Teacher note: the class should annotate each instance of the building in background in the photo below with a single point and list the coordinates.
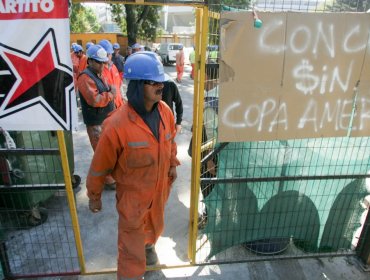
(104, 16)
(173, 20)
(178, 20)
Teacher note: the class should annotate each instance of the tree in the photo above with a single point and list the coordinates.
(83, 19)
(217, 5)
(137, 21)
(349, 5)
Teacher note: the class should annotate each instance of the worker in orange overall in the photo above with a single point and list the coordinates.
(180, 63)
(110, 72)
(97, 98)
(88, 45)
(137, 147)
(118, 59)
(76, 54)
(82, 64)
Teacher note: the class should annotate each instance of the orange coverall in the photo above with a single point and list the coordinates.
(79, 64)
(110, 72)
(180, 62)
(139, 163)
(75, 63)
(83, 64)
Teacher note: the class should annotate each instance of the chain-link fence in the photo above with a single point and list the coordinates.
(35, 222)
(277, 199)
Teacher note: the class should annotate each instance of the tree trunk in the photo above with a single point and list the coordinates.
(131, 24)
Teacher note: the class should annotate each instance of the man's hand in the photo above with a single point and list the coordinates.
(95, 205)
(172, 174)
(178, 128)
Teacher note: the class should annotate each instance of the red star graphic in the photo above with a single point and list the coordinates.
(31, 72)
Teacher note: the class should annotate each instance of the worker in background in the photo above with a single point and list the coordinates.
(110, 72)
(97, 99)
(137, 48)
(172, 98)
(192, 62)
(72, 47)
(128, 52)
(88, 45)
(137, 147)
(82, 64)
(118, 59)
(75, 57)
(213, 54)
(180, 63)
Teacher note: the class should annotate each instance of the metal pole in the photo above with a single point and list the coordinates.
(193, 196)
(200, 56)
(71, 199)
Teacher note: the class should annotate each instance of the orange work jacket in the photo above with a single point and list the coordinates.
(90, 92)
(110, 72)
(75, 63)
(137, 161)
(82, 64)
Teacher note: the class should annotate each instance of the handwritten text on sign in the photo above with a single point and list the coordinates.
(295, 77)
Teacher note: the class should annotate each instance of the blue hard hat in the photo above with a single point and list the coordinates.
(107, 46)
(88, 45)
(116, 46)
(77, 48)
(144, 66)
(98, 53)
(137, 46)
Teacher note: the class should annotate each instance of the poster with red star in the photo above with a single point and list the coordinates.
(36, 80)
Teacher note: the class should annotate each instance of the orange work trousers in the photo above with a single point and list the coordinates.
(180, 72)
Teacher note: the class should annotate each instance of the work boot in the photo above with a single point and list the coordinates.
(151, 255)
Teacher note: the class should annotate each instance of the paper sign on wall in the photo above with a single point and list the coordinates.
(300, 75)
(36, 82)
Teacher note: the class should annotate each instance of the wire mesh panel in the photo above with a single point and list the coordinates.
(277, 199)
(35, 223)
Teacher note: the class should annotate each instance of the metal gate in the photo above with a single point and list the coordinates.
(249, 201)
(272, 199)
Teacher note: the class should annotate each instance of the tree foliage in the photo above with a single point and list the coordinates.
(349, 5)
(83, 19)
(137, 21)
(218, 5)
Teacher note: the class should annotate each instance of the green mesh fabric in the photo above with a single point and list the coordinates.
(42, 169)
(318, 215)
(37, 169)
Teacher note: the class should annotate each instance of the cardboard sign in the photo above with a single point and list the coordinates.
(36, 81)
(301, 75)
